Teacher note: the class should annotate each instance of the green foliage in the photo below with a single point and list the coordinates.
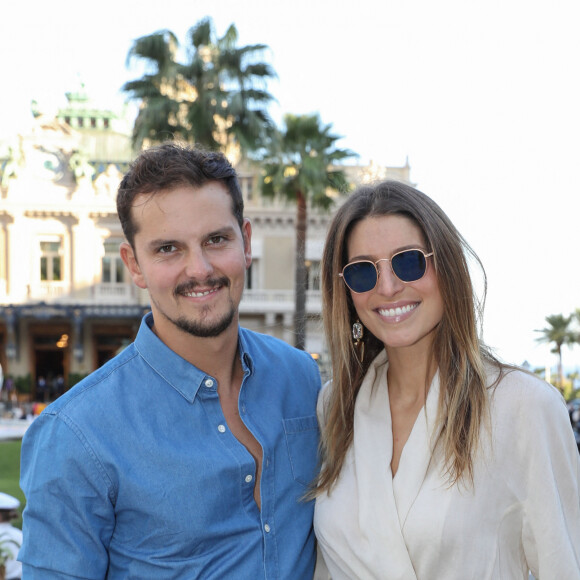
(303, 160)
(74, 378)
(560, 332)
(23, 384)
(10, 473)
(301, 164)
(215, 98)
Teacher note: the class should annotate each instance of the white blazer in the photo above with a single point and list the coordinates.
(522, 514)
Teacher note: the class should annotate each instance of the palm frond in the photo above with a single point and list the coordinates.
(158, 50)
(201, 33)
(217, 94)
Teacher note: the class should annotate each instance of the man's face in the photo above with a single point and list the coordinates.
(192, 258)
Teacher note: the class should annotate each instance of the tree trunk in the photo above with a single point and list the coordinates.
(560, 369)
(300, 280)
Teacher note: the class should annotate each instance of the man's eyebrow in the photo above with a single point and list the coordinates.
(225, 231)
(161, 242)
(221, 231)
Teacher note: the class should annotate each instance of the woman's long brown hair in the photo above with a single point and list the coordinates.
(458, 350)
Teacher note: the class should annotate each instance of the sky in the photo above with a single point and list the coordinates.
(481, 97)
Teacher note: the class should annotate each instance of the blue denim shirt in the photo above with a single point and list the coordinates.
(133, 473)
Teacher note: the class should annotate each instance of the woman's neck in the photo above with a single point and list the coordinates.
(410, 373)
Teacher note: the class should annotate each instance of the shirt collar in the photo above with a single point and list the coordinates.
(246, 356)
(180, 374)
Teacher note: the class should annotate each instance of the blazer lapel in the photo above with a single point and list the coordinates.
(373, 449)
(417, 454)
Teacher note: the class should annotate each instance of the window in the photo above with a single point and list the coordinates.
(312, 275)
(113, 269)
(246, 186)
(249, 278)
(51, 261)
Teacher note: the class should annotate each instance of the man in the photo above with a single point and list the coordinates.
(188, 454)
(10, 536)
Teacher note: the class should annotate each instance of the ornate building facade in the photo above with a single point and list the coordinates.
(67, 304)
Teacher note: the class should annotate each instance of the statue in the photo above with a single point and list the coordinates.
(80, 166)
(107, 182)
(12, 166)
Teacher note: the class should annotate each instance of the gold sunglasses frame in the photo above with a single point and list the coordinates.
(375, 264)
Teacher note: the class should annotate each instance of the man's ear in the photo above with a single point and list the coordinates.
(247, 236)
(130, 259)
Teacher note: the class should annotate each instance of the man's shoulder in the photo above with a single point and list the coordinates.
(275, 355)
(101, 384)
(259, 342)
(253, 336)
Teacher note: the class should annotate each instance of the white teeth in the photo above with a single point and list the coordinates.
(199, 294)
(397, 311)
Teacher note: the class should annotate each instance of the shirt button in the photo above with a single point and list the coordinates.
(249, 478)
(267, 528)
(209, 383)
(221, 428)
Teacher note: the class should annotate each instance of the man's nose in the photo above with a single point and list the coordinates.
(198, 265)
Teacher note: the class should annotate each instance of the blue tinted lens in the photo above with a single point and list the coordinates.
(409, 266)
(360, 276)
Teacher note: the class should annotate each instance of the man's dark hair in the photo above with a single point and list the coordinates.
(171, 165)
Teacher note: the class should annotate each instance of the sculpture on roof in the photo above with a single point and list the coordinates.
(12, 166)
(80, 166)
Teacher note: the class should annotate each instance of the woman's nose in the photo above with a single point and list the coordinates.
(387, 283)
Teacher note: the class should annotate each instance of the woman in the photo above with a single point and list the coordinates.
(439, 462)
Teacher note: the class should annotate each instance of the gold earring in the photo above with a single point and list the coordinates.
(357, 336)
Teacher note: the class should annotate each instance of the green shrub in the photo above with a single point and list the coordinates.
(23, 384)
(10, 473)
(74, 378)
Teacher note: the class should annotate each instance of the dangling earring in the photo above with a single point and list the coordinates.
(357, 336)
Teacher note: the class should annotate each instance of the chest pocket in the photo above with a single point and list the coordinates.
(302, 436)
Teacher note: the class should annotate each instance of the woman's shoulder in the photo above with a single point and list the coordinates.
(513, 387)
(323, 401)
(378, 364)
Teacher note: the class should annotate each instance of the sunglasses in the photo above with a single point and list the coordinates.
(363, 275)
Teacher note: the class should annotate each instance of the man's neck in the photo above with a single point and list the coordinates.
(216, 356)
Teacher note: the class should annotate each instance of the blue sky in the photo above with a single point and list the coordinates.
(482, 97)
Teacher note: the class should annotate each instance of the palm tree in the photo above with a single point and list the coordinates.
(217, 98)
(576, 318)
(559, 332)
(158, 117)
(300, 164)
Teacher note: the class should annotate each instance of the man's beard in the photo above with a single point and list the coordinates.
(201, 328)
(205, 330)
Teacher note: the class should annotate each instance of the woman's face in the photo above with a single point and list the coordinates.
(400, 314)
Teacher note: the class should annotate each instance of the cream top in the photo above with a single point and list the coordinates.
(522, 514)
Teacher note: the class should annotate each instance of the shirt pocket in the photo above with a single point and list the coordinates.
(302, 437)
